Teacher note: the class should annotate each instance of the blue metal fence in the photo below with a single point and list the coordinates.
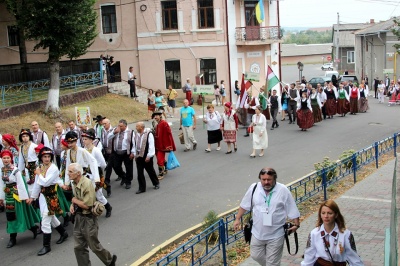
(198, 249)
(24, 92)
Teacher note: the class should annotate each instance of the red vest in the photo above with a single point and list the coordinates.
(354, 93)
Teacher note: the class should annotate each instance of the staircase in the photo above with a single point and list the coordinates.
(122, 88)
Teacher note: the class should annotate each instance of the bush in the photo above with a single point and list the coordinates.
(210, 219)
(326, 163)
(349, 163)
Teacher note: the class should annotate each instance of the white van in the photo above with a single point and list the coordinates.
(331, 73)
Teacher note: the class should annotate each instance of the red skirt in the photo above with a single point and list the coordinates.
(305, 119)
(229, 136)
(353, 105)
(267, 114)
(330, 107)
(342, 106)
(316, 113)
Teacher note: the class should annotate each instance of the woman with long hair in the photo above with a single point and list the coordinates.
(330, 243)
(230, 126)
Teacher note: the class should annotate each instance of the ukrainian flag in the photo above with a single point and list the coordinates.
(260, 11)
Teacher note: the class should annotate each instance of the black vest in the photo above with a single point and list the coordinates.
(274, 102)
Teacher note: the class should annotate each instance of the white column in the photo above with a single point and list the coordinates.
(180, 20)
(158, 21)
(194, 19)
(217, 19)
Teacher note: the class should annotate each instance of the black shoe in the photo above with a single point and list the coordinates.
(39, 230)
(118, 179)
(109, 209)
(34, 230)
(13, 240)
(46, 245)
(114, 259)
(127, 186)
(290, 122)
(246, 135)
(277, 125)
(272, 128)
(108, 194)
(157, 187)
(140, 191)
(63, 234)
(194, 146)
(122, 183)
(67, 218)
(235, 148)
(228, 152)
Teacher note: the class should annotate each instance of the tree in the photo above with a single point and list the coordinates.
(396, 31)
(62, 27)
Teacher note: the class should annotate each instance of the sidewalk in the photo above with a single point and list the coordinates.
(366, 209)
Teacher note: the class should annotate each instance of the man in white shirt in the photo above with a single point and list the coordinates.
(39, 136)
(144, 151)
(123, 139)
(272, 204)
(322, 98)
(56, 142)
(73, 127)
(107, 152)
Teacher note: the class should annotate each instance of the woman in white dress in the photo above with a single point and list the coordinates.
(260, 135)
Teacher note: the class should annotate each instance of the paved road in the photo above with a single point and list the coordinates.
(213, 181)
(367, 215)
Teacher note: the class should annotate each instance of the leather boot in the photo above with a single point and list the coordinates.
(34, 230)
(13, 240)
(165, 169)
(63, 234)
(161, 172)
(46, 245)
(66, 220)
(109, 209)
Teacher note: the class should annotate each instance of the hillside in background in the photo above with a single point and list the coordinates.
(302, 35)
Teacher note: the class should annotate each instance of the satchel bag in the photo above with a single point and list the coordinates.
(97, 208)
(181, 137)
(172, 162)
(249, 225)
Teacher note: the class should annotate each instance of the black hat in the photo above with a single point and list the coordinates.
(98, 118)
(25, 131)
(71, 136)
(159, 112)
(44, 151)
(89, 133)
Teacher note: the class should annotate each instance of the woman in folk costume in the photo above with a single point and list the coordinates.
(10, 144)
(260, 135)
(342, 101)
(330, 105)
(45, 189)
(13, 194)
(264, 103)
(88, 137)
(395, 95)
(213, 121)
(230, 127)
(363, 101)
(27, 156)
(354, 97)
(305, 118)
(316, 106)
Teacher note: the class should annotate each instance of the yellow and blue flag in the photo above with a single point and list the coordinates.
(260, 11)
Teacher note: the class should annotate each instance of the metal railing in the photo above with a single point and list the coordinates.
(255, 33)
(24, 92)
(198, 249)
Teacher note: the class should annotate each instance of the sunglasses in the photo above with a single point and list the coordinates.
(268, 172)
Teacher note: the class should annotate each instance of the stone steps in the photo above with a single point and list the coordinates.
(122, 88)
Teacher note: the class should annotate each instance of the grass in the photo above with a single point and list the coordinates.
(126, 109)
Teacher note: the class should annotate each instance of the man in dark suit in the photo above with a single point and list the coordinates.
(376, 83)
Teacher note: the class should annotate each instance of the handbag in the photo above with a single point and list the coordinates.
(181, 137)
(248, 226)
(97, 208)
(250, 129)
(172, 162)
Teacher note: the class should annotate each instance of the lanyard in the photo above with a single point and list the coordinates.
(268, 201)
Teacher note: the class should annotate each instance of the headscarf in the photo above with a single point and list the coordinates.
(229, 105)
(9, 153)
(64, 143)
(39, 147)
(10, 140)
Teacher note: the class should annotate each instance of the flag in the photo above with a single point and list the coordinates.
(260, 11)
(271, 81)
(243, 91)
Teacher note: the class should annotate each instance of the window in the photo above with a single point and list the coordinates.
(109, 19)
(173, 74)
(206, 13)
(13, 38)
(350, 57)
(208, 67)
(169, 15)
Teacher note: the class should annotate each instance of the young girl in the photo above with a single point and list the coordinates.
(27, 156)
(217, 95)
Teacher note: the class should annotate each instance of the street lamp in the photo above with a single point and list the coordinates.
(300, 66)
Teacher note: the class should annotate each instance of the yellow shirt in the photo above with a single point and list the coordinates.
(84, 191)
(171, 95)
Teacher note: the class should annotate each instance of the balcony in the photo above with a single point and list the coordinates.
(255, 35)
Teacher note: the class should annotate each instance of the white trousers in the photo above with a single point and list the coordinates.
(267, 252)
(381, 97)
(100, 197)
(188, 136)
(49, 221)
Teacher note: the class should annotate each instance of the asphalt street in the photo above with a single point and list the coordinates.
(207, 181)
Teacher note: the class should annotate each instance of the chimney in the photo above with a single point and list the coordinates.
(371, 21)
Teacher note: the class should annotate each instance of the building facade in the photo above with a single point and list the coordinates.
(169, 41)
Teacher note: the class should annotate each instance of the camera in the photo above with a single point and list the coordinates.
(286, 227)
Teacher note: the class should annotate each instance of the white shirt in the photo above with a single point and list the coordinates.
(137, 144)
(45, 138)
(259, 121)
(340, 252)
(315, 95)
(96, 153)
(322, 97)
(282, 206)
(303, 100)
(50, 178)
(32, 157)
(213, 120)
(14, 178)
(85, 159)
(124, 141)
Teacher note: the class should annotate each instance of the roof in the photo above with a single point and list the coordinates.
(306, 49)
(378, 27)
(346, 33)
(351, 26)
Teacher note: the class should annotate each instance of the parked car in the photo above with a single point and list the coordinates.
(327, 66)
(331, 73)
(348, 78)
(320, 80)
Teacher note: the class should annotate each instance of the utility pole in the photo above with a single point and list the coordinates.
(337, 43)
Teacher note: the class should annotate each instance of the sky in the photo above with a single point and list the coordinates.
(320, 13)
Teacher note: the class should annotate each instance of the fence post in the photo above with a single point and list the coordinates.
(354, 159)
(222, 237)
(395, 144)
(30, 92)
(324, 182)
(376, 154)
(3, 95)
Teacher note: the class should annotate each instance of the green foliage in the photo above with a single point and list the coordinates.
(396, 31)
(308, 37)
(347, 154)
(63, 27)
(210, 219)
(326, 163)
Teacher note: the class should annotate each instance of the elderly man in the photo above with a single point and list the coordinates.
(58, 135)
(107, 152)
(39, 136)
(73, 127)
(187, 89)
(188, 124)
(85, 226)
(144, 153)
(268, 199)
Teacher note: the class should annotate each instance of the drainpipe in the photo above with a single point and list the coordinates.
(229, 52)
